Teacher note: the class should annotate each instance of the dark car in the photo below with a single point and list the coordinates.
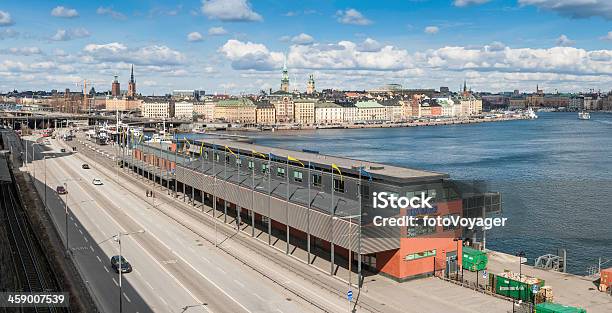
(125, 265)
(85, 166)
(61, 190)
(63, 150)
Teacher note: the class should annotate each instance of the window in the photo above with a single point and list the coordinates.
(316, 180)
(280, 171)
(264, 168)
(450, 227)
(338, 185)
(250, 165)
(420, 229)
(420, 255)
(297, 176)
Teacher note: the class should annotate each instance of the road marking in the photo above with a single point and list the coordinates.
(75, 224)
(239, 283)
(99, 260)
(220, 269)
(126, 298)
(72, 219)
(90, 246)
(258, 297)
(87, 241)
(148, 284)
(115, 282)
(205, 259)
(80, 231)
(106, 268)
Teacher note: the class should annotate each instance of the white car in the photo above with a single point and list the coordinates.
(97, 181)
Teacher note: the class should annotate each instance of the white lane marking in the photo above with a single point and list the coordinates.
(148, 284)
(220, 269)
(90, 247)
(205, 259)
(258, 297)
(115, 282)
(126, 297)
(75, 224)
(72, 219)
(80, 231)
(239, 283)
(87, 241)
(99, 260)
(106, 268)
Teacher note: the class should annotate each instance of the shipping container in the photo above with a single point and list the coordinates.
(606, 277)
(510, 285)
(474, 260)
(549, 307)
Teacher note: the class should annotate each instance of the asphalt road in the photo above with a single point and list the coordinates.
(174, 270)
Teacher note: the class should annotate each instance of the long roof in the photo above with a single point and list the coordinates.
(389, 172)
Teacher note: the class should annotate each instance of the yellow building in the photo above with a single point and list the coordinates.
(205, 110)
(237, 110)
(265, 114)
(368, 111)
(304, 111)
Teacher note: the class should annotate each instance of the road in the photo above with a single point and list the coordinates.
(174, 270)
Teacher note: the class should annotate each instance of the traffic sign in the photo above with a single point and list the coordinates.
(349, 295)
(484, 274)
(535, 288)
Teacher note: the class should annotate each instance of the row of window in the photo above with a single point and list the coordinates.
(420, 255)
(298, 176)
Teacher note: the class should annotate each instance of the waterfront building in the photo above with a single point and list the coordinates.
(430, 108)
(591, 102)
(315, 206)
(236, 110)
(205, 110)
(310, 86)
(304, 111)
(328, 113)
(394, 110)
(284, 105)
(265, 113)
(132, 85)
(371, 111)
(113, 104)
(517, 102)
(154, 108)
(351, 114)
(576, 103)
(449, 109)
(183, 110)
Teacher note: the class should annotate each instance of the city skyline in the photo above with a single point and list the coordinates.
(240, 46)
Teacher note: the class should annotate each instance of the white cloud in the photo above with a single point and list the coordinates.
(369, 45)
(194, 36)
(464, 3)
(5, 19)
(217, 31)
(110, 12)
(118, 52)
(302, 39)
(432, 30)
(22, 51)
(230, 10)
(8, 33)
(607, 37)
(574, 8)
(564, 41)
(64, 35)
(248, 55)
(61, 11)
(352, 16)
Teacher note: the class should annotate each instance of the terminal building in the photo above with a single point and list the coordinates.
(315, 207)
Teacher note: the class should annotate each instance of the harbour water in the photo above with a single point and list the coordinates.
(554, 173)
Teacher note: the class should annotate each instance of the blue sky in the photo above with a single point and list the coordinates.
(239, 46)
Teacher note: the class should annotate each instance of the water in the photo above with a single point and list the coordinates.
(554, 174)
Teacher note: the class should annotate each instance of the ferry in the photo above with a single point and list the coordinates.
(530, 114)
(584, 115)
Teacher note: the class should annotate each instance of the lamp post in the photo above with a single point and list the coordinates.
(350, 252)
(66, 216)
(457, 258)
(117, 238)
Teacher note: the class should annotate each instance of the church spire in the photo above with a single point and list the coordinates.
(132, 74)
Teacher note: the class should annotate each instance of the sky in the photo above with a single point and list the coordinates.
(240, 46)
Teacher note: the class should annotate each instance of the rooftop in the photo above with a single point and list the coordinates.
(368, 104)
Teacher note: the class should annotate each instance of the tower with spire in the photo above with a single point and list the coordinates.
(132, 85)
(285, 78)
(115, 88)
(310, 86)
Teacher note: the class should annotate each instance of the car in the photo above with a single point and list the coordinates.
(126, 267)
(63, 150)
(97, 181)
(85, 166)
(61, 190)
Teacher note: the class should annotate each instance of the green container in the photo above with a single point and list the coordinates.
(515, 289)
(549, 307)
(474, 260)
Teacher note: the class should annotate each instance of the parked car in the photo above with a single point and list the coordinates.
(97, 181)
(126, 267)
(85, 166)
(63, 150)
(61, 190)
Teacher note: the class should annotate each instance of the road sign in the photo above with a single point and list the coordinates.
(484, 274)
(535, 288)
(349, 295)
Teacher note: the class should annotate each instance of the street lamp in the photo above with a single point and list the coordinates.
(521, 255)
(66, 215)
(117, 238)
(457, 259)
